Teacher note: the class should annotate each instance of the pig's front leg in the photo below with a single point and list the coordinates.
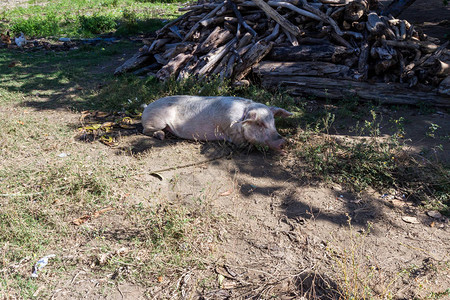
(155, 129)
(159, 134)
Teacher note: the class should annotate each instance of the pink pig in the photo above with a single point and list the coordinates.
(232, 119)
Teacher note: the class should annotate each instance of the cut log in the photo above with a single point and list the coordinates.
(212, 21)
(393, 93)
(322, 15)
(145, 70)
(188, 67)
(216, 57)
(441, 68)
(444, 87)
(198, 24)
(228, 71)
(173, 66)
(240, 19)
(425, 46)
(252, 57)
(157, 44)
(138, 60)
(180, 47)
(363, 66)
(274, 34)
(222, 64)
(273, 14)
(327, 53)
(355, 10)
(217, 37)
(292, 7)
(306, 68)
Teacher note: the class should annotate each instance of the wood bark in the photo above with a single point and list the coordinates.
(137, 61)
(217, 37)
(273, 14)
(252, 57)
(444, 87)
(306, 68)
(363, 66)
(197, 25)
(173, 66)
(216, 57)
(240, 19)
(394, 93)
(326, 52)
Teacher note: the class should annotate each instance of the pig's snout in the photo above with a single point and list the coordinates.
(277, 143)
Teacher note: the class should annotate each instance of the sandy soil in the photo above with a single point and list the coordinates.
(282, 236)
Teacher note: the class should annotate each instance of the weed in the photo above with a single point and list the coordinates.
(369, 160)
(47, 25)
(352, 267)
(432, 130)
(439, 295)
(97, 23)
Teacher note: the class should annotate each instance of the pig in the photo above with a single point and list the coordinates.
(236, 120)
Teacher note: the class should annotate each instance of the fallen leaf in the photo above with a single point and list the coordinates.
(101, 211)
(96, 214)
(229, 285)
(101, 114)
(220, 279)
(434, 214)
(157, 175)
(412, 220)
(92, 127)
(108, 140)
(127, 120)
(122, 251)
(125, 126)
(81, 220)
(226, 193)
(108, 124)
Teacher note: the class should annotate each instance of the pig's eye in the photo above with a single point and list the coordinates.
(261, 124)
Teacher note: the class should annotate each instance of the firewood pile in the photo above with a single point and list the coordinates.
(343, 39)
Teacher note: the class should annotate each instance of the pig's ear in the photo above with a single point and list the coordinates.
(279, 112)
(250, 117)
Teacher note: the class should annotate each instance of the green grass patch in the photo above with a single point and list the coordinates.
(82, 18)
(54, 76)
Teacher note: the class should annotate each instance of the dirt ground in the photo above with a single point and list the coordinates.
(278, 235)
(273, 235)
